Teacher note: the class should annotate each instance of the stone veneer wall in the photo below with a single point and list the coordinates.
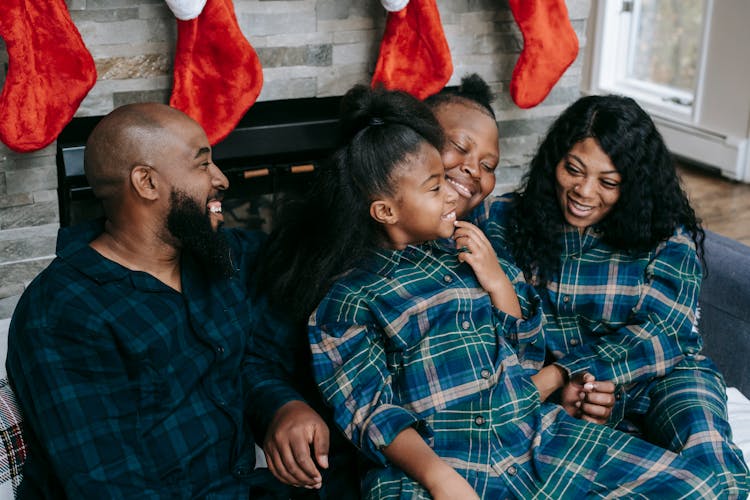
(307, 48)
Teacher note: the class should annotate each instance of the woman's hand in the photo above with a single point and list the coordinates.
(588, 399)
(475, 249)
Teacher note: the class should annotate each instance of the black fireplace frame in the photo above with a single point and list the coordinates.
(275, 147)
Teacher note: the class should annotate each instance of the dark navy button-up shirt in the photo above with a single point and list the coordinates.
(132, 389)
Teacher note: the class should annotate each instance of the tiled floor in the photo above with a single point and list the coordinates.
(723, 205)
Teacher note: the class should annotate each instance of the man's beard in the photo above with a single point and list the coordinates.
(191, 225)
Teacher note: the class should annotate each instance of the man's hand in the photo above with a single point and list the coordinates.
(588, 399)
(295, 434)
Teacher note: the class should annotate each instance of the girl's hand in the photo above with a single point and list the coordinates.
(476, 250)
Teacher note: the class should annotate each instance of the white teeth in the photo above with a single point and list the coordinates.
(450, 216)
(215, 210)
(583, 208)
(460, 188)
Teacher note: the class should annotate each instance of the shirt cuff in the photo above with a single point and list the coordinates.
(384, 425)
(574, 366)
(263, 409)
(526, 334)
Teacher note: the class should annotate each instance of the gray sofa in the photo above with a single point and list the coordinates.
(725, 309)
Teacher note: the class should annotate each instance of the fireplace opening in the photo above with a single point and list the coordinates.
(273, 152)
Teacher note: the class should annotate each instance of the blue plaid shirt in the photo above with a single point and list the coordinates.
(625, 317)
(409, 334)
(131, 389)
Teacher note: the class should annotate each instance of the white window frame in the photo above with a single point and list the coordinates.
(713, 129)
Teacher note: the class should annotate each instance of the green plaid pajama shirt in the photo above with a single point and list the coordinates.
(131, 389)
(410, 338)
(629, 318)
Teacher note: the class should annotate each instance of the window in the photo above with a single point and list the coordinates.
(686, 62)
(664, 46)
(657, 47)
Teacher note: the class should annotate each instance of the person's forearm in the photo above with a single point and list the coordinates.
(504, 297)
(411, 454)
(548, 380)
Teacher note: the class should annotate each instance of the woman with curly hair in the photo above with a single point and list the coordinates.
(602, 228)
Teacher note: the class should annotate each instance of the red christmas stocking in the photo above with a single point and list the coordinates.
(550, 45)
(50, 71)
(217, 74)
(414, 54)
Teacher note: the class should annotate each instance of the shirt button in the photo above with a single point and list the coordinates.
(465, 325)
(447, 278)
(479, 420)
(220, 349)
(618, 396)
(566, 298)
(512, 471)
(485, 373)
(574, 341)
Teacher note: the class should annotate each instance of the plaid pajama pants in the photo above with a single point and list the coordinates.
(569, 458)
(686, 412)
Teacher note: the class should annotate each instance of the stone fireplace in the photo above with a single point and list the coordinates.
(308, 49)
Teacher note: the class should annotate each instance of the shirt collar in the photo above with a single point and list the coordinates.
(589, 238)
(384, 261)
(73, 247)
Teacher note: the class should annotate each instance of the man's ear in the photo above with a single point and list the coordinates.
(144, 181)
(383, 212)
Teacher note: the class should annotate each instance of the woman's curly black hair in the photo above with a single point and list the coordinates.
(317, 238)
(652, 203)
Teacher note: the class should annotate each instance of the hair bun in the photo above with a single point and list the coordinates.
(473, 87)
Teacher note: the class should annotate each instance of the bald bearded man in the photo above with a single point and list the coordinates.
(132, 353)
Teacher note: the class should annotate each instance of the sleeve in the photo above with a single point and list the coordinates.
(277, 347)
(272, 365)
(526, 334)
(76, 396)
(350, 365)
(659, 332)
(491, 216)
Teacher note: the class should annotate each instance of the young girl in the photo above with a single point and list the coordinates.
(410, 348)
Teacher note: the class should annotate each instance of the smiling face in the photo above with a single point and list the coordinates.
(471, 152)
(187, 166)
(587, 184)
(423, 206)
